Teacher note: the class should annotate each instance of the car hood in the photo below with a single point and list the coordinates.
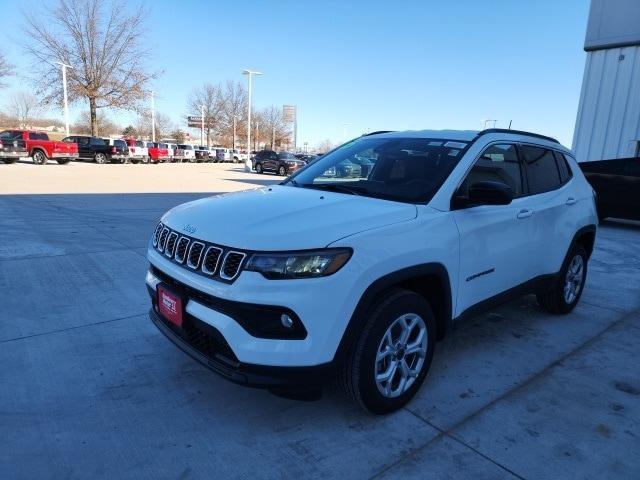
(283, 217)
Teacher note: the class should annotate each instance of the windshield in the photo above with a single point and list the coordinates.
(402, 169)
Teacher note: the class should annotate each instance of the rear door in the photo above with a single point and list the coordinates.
(84, 148)
(495, 240)
(555, 203)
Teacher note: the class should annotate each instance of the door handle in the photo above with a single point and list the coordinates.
(525, 213)
(571, 201)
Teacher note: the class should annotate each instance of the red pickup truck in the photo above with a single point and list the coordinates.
(158, 152)
(40, 148)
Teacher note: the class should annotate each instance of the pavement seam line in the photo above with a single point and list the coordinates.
(70, 328)
(525, 383)
(38, 257)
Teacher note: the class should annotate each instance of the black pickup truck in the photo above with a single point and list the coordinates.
(12, 149)
(617, 186)
(99, 150)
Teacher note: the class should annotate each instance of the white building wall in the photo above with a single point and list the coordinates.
(608, 121)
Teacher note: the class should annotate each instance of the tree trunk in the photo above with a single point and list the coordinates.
(93, 113)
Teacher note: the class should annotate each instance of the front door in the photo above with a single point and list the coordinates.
(496, 241)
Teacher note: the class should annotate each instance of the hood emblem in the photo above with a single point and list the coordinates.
(189, 228)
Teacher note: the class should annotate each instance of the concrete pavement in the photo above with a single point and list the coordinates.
(90, 389)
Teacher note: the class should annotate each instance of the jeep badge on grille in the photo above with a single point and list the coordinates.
(189, 228)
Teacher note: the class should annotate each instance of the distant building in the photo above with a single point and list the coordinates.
(608, 121)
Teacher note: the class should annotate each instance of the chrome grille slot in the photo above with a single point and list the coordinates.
(195, 252)
(171, 244)
(181, 249)
(163, 239)
(156, 234)
(231, 265)
(211, 259)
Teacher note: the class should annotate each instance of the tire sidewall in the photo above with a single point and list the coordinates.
(100, 158)
(282, 171)
(383, 317)
(576, 250)
(258, 168)
(39, 158)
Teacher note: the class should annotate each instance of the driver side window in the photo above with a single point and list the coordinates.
(498, 163)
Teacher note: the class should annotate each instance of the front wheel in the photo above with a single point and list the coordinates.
(282, 171)
(100, 158)
(259, 168)
(565, 292)
(39, 158)
(145, 159)
(389, 361)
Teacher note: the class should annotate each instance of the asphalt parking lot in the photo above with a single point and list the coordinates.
(90, 388)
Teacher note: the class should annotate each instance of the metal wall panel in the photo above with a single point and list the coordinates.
(613, 23)
(608, 121)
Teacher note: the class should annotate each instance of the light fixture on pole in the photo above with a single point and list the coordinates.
(487, 120)
(249, 73)
(153, 118)
(64, 94)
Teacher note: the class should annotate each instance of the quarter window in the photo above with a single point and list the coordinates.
(498, 163)
(542, 171)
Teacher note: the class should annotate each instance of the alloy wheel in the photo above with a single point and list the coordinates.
(401, 355)
(573, 279)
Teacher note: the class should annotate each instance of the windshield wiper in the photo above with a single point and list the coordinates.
(336, 187)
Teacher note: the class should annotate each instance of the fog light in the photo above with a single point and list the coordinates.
(286, 320)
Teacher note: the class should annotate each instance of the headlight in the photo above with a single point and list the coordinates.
(308, 264)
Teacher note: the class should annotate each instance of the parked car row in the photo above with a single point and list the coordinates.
(37, 145)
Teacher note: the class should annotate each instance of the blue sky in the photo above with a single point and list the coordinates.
(373, 65)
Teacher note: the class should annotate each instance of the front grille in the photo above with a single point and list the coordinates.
(181, 249)
(195, 252)
(171, 244)
(213, 261)
(231, 265)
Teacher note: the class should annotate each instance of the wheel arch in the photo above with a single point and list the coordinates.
(585, 236)
(430, 280)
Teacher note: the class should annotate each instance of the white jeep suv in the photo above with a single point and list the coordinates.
(357, 277)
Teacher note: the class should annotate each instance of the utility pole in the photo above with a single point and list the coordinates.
(257, 139)
(249, 73)
(202, 125)
(64, 94)
(153, 118)
(273, 137)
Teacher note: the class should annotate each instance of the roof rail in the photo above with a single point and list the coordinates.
(377, 132)
(516, 132)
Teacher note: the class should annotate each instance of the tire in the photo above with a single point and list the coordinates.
(100, 158)
(135, 161)
(564, 293)
(259, 168)
(9, 161)
(358, 374)
(282, 171)
(145, 159)
(63, 161)
(39, 158)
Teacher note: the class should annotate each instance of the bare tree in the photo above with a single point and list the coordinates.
(6, 69)
(24, 107)
(234, 101)
(84, 124)
(324, 146)
(101, 41)
(164, 124)
(210, 97)
(273, 127)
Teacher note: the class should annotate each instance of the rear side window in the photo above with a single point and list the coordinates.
(98, 141)
(542, 170)
(563, 167)
(38, 136)
(119, 143)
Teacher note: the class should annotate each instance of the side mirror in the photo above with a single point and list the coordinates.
(486, 193)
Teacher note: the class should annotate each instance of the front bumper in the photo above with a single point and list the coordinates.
(206, 345)
(13, 153)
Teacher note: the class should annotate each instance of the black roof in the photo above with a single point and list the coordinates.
(516, 132)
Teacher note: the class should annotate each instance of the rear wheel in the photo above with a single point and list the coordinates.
(282, 171)
(259, 168)
(39, 158)
(9, 160)
(389, 361)
(100, 158)
(145, 159)
(565, 292)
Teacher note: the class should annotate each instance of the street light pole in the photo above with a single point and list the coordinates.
(64, 94)
(234, 133)
(202, 125)
(249, 73)
(153, 118)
